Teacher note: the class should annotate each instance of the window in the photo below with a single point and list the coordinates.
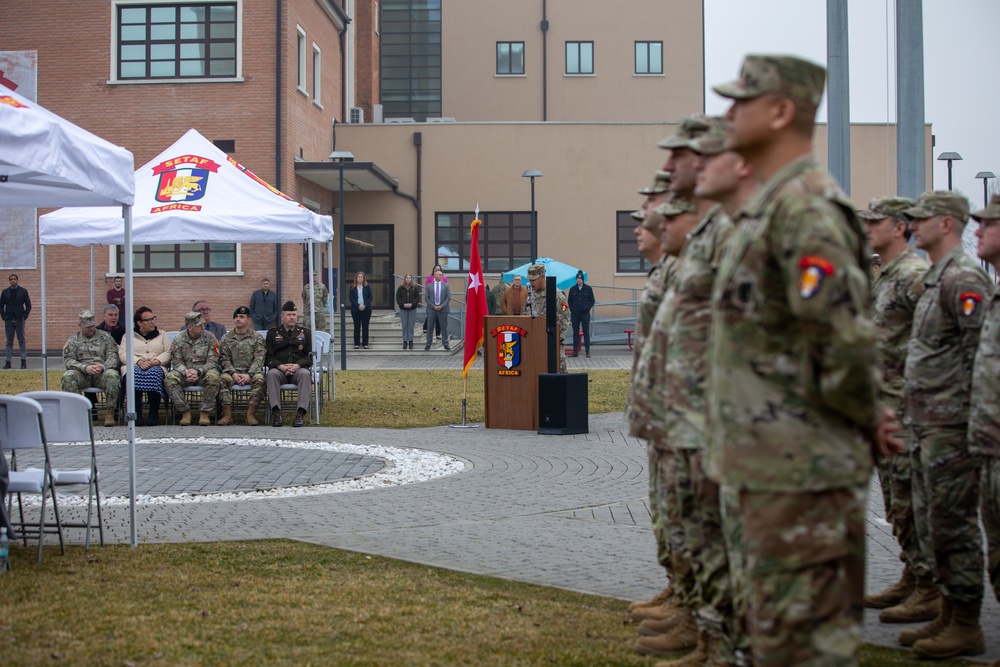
(300, 67)
(510, 57)
(504, 238)
(180, 257)
(579, 57)
(629, 259)
(317, 70)
(177, 41)
(649, 57)
(410, 58)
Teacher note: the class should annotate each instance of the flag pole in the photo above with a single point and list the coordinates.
(475, 310)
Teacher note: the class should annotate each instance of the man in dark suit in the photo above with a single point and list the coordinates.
(437, 295)
(15, 305)
(288, 357)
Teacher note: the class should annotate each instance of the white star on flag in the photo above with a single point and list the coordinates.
(474, 283)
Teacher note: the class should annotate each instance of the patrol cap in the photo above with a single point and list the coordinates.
(193, 319)
(242, 310)
(886, 207)
(940, 202)
(639, 215)
(676, 206)
(288, 306)
(689, 128)
(87, 319)
(788, 76)
(991, 212)
(536, 270)
(712, 141)
(659, 186)
(651, 222)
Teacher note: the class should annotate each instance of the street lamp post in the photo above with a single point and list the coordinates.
(986, 175)
(532, 173)
(949, 157)
(341, 157)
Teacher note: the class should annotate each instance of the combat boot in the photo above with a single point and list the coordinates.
(252, 415)
(963, 636)
(109, 417)
(697, 657)
(913, 635)
(683, 637)
(651, 626)
(203, 419)
(186, 418)
(895, 594)
(923, 604)
(227, 416)
(654, 601)
(658, 612)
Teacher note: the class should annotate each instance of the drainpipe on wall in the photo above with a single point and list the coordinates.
(343, 72)
(278, 46)
(545, 61)
(418, 141)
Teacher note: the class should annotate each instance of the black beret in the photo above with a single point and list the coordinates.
(289, 305)
(242, 310)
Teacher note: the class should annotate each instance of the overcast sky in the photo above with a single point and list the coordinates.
(961, 66)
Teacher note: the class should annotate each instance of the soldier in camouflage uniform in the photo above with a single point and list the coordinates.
(318, 303)
(895, 290)
(536, 308)
(793, 413)
(91, 359)
(194, 357)
(241, 355)
(938, 379)
(984, 421)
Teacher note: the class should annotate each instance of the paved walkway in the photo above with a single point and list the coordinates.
(563, 511)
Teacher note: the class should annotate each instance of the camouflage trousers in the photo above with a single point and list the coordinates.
(256, 388)
(946, 509)
(895, 474)
(674, 506)
(800, 562)
(110, 381)
(659, 529)
(991, 517)
(175, 383)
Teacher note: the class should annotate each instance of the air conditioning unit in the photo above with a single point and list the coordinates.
(399, 121)
(357, 116)
(442, 119)
(377, 114)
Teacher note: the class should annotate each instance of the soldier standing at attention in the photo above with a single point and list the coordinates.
(938, 383)
(91, 359)
(793, 409)
(537, 308)
(241, 355)
(194, 357)
(984, 422)
(317, 303)
(895, 290)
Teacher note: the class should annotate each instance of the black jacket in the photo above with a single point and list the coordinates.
(14, 304)
(581, 298)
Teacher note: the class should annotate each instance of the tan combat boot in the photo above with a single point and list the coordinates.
(696, 658)
(683, 637)
(186, 418)
(654, 601)
(227, 416)
(652, 627)
(963, 636)
(252, 414)
(203, 419)
(658, 612)
(109, 417)
(895, 594)
(923, 604)
(913, 635)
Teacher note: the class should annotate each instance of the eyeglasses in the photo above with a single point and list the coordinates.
(204, 310)
(148, 319)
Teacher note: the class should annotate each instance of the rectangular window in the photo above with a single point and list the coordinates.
(504, 240)
(649, 57)
(510, 57)
(579, 57)
(629, 259)
(180, 257)
(317, 70)
(300, 61)
(176, 41)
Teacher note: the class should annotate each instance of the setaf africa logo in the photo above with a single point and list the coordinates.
(508, 348)
(970, 303)
(182, 180)
(814, 272)
(11, 102)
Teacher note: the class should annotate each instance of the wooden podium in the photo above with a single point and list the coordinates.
(514, 352)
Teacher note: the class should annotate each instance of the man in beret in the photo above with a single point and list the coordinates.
(936, 401)
(91, 359)
(984, 422)
(581, 301)
(793, 412)
(288, 356)
(537, 308)
(241, 356)
(895, 290)
(194, 359)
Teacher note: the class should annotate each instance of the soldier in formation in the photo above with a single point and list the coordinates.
(91, 359)
(537, 308)
(316, 302)
(194, 357)
(241, 356)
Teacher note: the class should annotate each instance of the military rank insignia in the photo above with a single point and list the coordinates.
(508, 348)
(970, 303)
(814, 272)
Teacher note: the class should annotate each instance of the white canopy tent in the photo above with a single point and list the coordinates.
(192, 192)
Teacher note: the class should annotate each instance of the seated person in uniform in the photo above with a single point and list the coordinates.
(194, 356)
(91, 359)
(288, 357)
(241, 355)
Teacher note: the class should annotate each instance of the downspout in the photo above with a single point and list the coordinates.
(418, 141)
(545, 61)
(343, 72)
(278, 46)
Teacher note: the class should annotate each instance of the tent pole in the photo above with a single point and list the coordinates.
(130, 376)
(92, 304)
(312, 322)
(45, 354)
(332, 308)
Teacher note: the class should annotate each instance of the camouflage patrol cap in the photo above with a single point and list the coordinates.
(991, 212)
(940, 202)
(242, 310)
(536, 270)
(690, 127)
(87, 319)
(193, 319)
(659, 186)
(639, 215)
(886, 207)
(788, 76)
(713, 141)
(676, 206)
(651, 222)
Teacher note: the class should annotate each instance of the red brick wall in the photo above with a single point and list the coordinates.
(366, 57)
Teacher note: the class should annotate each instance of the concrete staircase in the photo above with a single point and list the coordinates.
(385, 336)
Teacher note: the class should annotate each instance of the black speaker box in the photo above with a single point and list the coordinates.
(562, 403)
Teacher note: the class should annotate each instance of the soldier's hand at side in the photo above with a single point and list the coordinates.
(885, 441)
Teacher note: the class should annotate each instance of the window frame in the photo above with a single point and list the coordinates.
(116, 43)
(510, 59)
(300, 60)
(578, 44)
(647, 44)
(496, 232)
(625, 225)
(117, 257)
(317, 73)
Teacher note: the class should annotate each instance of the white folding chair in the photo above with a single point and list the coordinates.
(21, 427)
(66, 417)
(321, 345)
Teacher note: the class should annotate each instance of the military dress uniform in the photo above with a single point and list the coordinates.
(80, 352)
(284, 346)
(242, 353)
(201, 354)
(537, 308)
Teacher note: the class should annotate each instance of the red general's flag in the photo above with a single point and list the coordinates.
(475, 301)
